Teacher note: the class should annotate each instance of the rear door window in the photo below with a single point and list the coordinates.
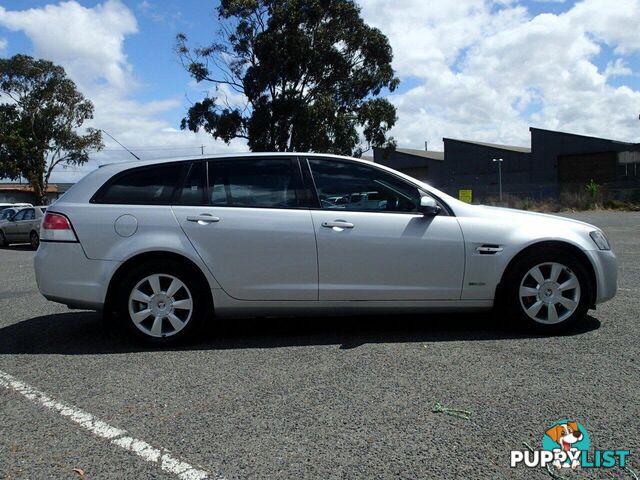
(19, 216)
(262, 183)
(29, 214)
(142, 186)
(193, 189)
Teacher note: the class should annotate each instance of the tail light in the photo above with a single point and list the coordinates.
(57, 228)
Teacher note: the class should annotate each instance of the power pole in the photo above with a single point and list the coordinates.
(201, 149)
(499, 160)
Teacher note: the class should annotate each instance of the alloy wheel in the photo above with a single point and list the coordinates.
(160, 305)
(549, 293)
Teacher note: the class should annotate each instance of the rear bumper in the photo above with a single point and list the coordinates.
(606, 268)
(65, 275)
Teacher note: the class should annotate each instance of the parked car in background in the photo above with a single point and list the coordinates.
(4, 206)
(22, 227)
(8, 212)
(165, 244)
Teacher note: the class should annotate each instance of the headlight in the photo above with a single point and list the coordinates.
(600, 240)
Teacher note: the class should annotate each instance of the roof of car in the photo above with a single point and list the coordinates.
(224, 156)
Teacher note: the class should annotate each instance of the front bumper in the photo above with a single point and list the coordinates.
(65, 275)
(605, 266)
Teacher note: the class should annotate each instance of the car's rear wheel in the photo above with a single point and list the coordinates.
(548, 290)
(162, 302)
(34, 240)
(3, 240)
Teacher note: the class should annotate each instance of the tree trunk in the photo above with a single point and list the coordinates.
(39, 191)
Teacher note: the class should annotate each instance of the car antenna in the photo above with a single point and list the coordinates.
(114, 139)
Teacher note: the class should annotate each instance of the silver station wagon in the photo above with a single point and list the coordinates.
(169, 244)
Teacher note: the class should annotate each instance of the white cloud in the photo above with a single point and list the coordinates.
(617, 68)
(87, 41)
(3, 44)
(487, 73)
(89, 44)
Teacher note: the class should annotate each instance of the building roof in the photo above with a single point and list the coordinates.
(556, 132)
(431, 154)
(24, 187)
(497, 146)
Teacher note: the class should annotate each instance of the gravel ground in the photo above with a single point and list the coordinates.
(318, 398)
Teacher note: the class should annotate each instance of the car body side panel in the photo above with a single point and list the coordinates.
(389, 256)
(229, 307)
(64, 274)
(510, 232)
(256, 253)
(156, 231)
(9, 230)
(606, 268)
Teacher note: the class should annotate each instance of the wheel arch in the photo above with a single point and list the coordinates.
(157, 256)
(569, 248)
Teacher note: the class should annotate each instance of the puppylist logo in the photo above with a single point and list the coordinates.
(566, 444)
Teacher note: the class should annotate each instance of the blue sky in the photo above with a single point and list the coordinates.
(477, 69)
(150, 50)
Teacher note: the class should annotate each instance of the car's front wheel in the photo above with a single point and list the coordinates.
(3, 240)
(162, 302)
(548, 290)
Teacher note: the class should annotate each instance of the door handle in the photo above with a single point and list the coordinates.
(203, 219)
(338, 224)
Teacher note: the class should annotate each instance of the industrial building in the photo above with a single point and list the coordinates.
(555, 162)
(13, 192)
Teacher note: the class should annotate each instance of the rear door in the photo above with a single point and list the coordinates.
(20, 227)
(248, 222)
(27, 224)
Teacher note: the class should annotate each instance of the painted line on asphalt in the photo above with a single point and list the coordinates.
(116, 436)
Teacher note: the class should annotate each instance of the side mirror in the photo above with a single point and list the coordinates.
(428, 206)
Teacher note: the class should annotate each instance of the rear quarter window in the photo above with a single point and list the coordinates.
(153, 185)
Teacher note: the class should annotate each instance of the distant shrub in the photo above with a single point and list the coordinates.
(593, 190)
(592, 196)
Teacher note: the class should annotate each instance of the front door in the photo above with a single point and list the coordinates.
(13, 228)
(246, 224)
(372, 243)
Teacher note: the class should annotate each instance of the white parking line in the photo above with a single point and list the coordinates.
(116, 436)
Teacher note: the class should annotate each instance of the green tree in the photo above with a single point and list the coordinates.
(310, 71)
(39, 122)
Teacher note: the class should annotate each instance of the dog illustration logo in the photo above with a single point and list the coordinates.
(566, 444)
(569, 437)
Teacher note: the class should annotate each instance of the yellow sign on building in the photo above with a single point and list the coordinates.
(465, 195)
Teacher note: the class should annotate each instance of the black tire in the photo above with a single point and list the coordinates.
(514, 306)
(195, 287)
(3, 240)
(34, 240)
